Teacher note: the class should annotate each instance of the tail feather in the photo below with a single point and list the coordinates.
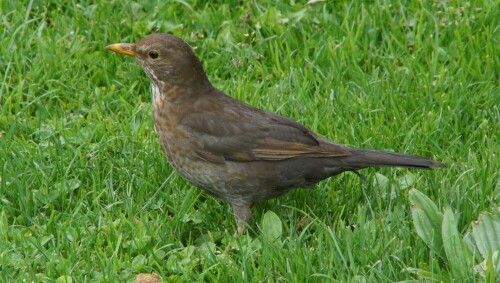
(361, 158)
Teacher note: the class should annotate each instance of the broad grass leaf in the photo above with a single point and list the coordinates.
(271, 226)
(427, 221)
(64, 279)
(484, 236)
(483, 240)
(424, 274)
(457, 252)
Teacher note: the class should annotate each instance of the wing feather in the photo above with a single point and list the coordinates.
(243, 133)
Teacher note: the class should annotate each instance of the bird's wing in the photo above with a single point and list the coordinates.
(243, 133)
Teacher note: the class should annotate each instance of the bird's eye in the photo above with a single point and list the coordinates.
(153, 54)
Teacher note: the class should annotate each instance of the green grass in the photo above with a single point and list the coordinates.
(86, 193)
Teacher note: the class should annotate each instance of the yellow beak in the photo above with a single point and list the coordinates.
(122, 48)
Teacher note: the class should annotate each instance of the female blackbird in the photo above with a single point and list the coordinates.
(231, 149)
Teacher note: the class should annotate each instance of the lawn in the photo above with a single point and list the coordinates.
(86, 194)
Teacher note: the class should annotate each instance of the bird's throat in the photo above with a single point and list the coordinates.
(155, 90)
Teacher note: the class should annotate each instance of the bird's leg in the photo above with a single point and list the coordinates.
(242, 213)
(361, 176)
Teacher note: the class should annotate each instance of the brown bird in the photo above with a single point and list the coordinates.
(231, 149)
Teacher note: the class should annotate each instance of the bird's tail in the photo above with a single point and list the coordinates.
(361, 158)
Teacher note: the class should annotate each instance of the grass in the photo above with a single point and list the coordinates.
(86, 194)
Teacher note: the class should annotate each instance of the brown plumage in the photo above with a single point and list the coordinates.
(231, 149)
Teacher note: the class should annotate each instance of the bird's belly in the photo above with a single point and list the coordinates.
(218, 179)
(236, 182)
(205, 175)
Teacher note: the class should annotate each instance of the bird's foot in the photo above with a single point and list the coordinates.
(243, 214)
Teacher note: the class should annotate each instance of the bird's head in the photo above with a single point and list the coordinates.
(165, 58)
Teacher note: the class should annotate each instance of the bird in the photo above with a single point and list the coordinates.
(230, 149)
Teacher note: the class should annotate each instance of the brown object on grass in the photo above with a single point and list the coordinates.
(231, 149)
